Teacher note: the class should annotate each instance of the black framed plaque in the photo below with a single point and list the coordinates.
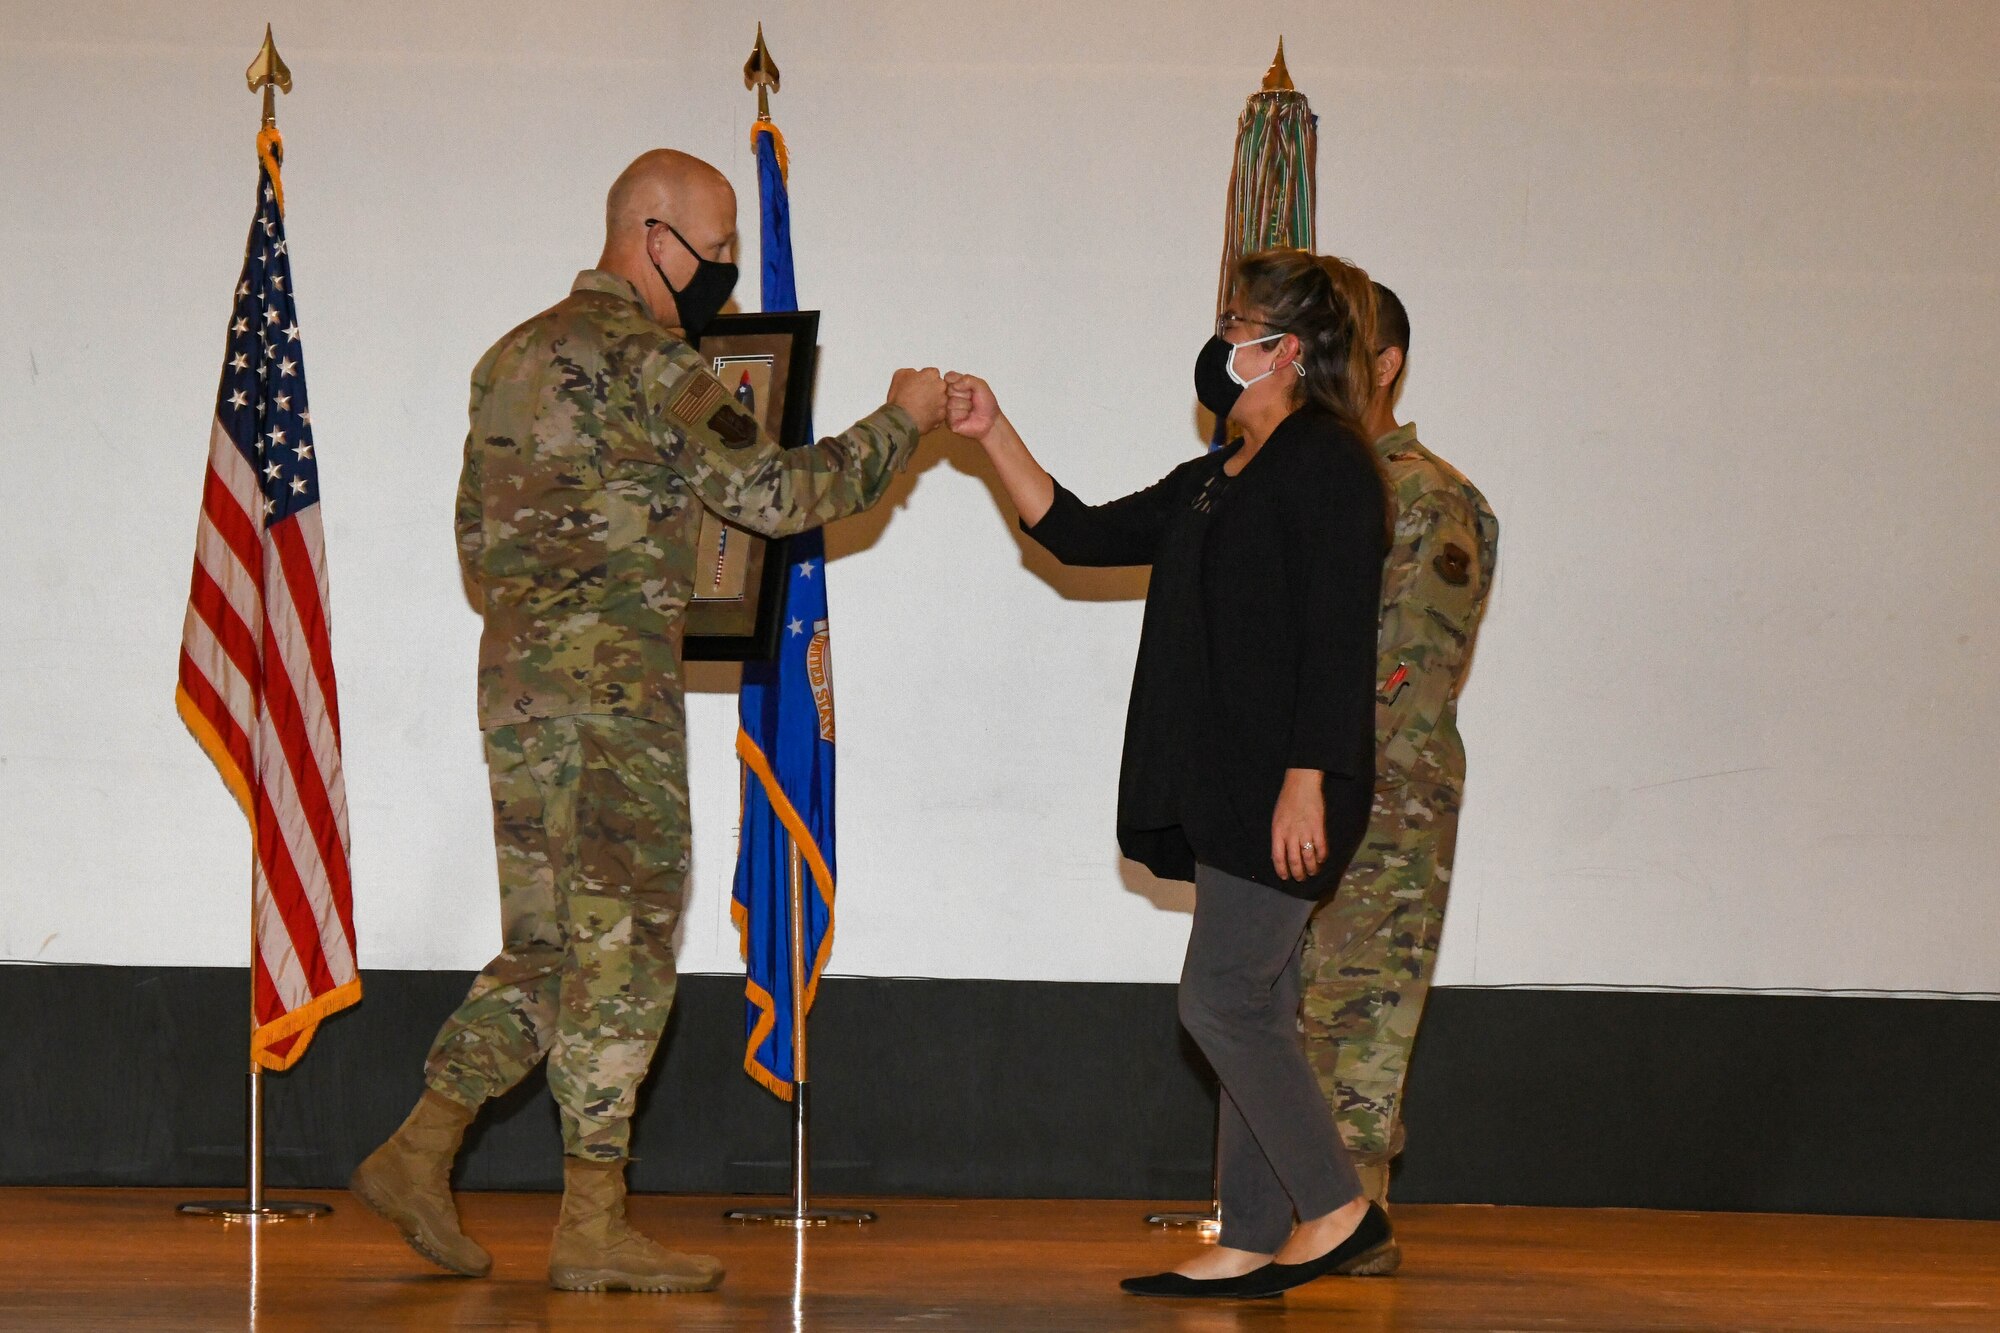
(766, 361)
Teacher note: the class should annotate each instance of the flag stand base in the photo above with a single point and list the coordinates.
(1208, 1224)
(240, 1210)
(254, 1207)
(811, 1217)
(800, 1213)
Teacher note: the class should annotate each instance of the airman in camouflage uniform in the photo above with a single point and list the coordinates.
(598, 437)
(1371, 944)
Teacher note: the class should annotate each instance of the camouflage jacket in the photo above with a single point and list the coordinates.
(597, 437)
(1434, 588)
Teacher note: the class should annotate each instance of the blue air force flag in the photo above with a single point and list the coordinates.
(785, 740)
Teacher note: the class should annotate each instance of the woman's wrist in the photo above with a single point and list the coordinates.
(1305, 777)
(1000, 434)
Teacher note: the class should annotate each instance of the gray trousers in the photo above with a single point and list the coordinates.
(1280, 1154)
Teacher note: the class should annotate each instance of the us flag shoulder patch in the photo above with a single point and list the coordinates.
(699, 396)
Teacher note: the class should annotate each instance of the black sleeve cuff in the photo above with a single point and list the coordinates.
(1058, 523)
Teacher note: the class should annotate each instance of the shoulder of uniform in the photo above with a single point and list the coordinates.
(565, 330)
(1411, 455)
(1440, 505)
(657, 357)
(691, 392)
(1457, 480)
(1416, 473)
(518, 353)
(1413, 473)
(489, 363)
(672, 358)
(1445, 467)
(610, 318)
(1426, 511)
(527, 331)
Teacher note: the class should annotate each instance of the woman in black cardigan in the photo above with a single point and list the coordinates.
(1250, 740)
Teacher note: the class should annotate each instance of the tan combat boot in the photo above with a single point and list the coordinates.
(408, 1181)
(1380, 1262)
(1374, 1179)
(596, 1250)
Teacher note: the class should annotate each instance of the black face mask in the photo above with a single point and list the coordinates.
(706, 292)
(1213, 386)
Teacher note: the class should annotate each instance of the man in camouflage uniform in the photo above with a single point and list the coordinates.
(598, 436)
(1371, 944)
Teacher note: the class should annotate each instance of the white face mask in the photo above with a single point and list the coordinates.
(1230, 364)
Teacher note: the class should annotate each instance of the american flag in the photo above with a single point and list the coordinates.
(256, 669)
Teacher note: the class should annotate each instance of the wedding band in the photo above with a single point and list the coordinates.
(1309, 847)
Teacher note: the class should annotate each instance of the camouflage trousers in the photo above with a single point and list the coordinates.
(1367, 963)
(590, 815)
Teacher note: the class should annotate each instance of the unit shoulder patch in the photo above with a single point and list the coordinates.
(733, 426)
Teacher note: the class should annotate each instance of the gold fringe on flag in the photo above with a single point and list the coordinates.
(1271, 192)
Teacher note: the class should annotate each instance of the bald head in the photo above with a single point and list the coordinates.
(686, 194)
(656, 184)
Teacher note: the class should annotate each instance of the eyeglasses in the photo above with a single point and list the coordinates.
(1229, 321)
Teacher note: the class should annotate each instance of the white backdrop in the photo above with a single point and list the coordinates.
(1706, 298)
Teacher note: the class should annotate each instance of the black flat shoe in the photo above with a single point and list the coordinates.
(1360, 1255)
(1211, 1288)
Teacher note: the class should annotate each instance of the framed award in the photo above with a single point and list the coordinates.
(766, 361)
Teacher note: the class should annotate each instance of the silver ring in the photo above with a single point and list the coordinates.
(1309, 847)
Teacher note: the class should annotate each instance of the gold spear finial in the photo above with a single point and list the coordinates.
(761, 72)
(268, 71)
(1278, 79)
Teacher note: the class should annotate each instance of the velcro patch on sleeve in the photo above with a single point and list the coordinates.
(733, 426)
(697, 398)
(1453, 565)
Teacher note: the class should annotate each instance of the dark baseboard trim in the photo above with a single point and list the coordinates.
(128, 1076)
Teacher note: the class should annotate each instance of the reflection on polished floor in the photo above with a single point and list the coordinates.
(122, 1259)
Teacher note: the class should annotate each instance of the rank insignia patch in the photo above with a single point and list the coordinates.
(697, 398)
(733, 426)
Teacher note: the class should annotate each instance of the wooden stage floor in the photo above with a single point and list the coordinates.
(122, 1259)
